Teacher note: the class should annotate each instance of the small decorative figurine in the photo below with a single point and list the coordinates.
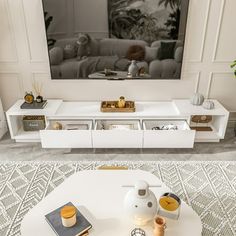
(57, 126)
(68, 216)
(197, 99)
(159, 226)
(29, 97)
(121, 102)
(140, 203)
(133, 69)
(38, 90)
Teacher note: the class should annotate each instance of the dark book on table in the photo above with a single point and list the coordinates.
(54, 219)
(34, 105)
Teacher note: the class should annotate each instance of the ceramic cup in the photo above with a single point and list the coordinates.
(159, 226)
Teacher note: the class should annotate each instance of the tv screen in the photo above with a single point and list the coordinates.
(115, 39)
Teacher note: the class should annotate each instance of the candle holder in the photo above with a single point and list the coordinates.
(68, 216)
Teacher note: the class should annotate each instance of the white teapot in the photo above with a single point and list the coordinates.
(141, 204)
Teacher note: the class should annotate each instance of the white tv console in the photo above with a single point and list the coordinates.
(147, 115)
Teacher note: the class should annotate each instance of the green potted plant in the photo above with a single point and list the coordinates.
(233, 66)
(48, 21)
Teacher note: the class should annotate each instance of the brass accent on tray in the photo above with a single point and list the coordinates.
(112, 106)
(201, 119)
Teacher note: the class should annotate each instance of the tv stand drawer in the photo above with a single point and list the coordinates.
(183, 137)
(117, 134)
(66, 137)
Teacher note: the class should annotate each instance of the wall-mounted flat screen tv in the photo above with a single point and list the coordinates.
(115, 39)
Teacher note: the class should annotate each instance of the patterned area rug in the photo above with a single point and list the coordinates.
(209, 187)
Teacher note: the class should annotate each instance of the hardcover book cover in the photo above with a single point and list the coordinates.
(54, 219)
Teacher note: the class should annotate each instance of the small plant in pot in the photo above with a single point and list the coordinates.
(234, 66)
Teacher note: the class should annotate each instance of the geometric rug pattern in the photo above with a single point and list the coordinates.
(208, 187)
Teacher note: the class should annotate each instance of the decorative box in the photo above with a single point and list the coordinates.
(33, 123)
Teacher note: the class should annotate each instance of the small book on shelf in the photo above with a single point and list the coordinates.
(54, 220)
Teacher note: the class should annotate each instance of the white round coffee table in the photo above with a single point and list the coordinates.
(99, 195)
(119, 75)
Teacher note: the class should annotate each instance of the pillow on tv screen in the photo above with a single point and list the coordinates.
(167, 50)
(56, 55)
(136, 52)
(69, 51)
(151, 53)
(179, 54)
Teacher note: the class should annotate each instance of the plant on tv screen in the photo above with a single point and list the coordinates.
(234, 66)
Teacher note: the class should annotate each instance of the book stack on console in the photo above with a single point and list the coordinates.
(81, 227)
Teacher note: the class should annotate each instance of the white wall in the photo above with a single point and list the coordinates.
(210, 48)
(73, 17)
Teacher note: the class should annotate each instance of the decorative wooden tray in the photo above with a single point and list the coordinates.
(112, 106)
(201, 119)
(201, 128)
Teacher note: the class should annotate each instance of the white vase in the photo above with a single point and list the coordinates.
(140, 204)
(133, 69)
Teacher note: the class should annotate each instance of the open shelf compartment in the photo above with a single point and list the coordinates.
(211, 131)
(18, 133)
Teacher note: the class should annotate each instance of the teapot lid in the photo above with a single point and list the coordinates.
(142, 189)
